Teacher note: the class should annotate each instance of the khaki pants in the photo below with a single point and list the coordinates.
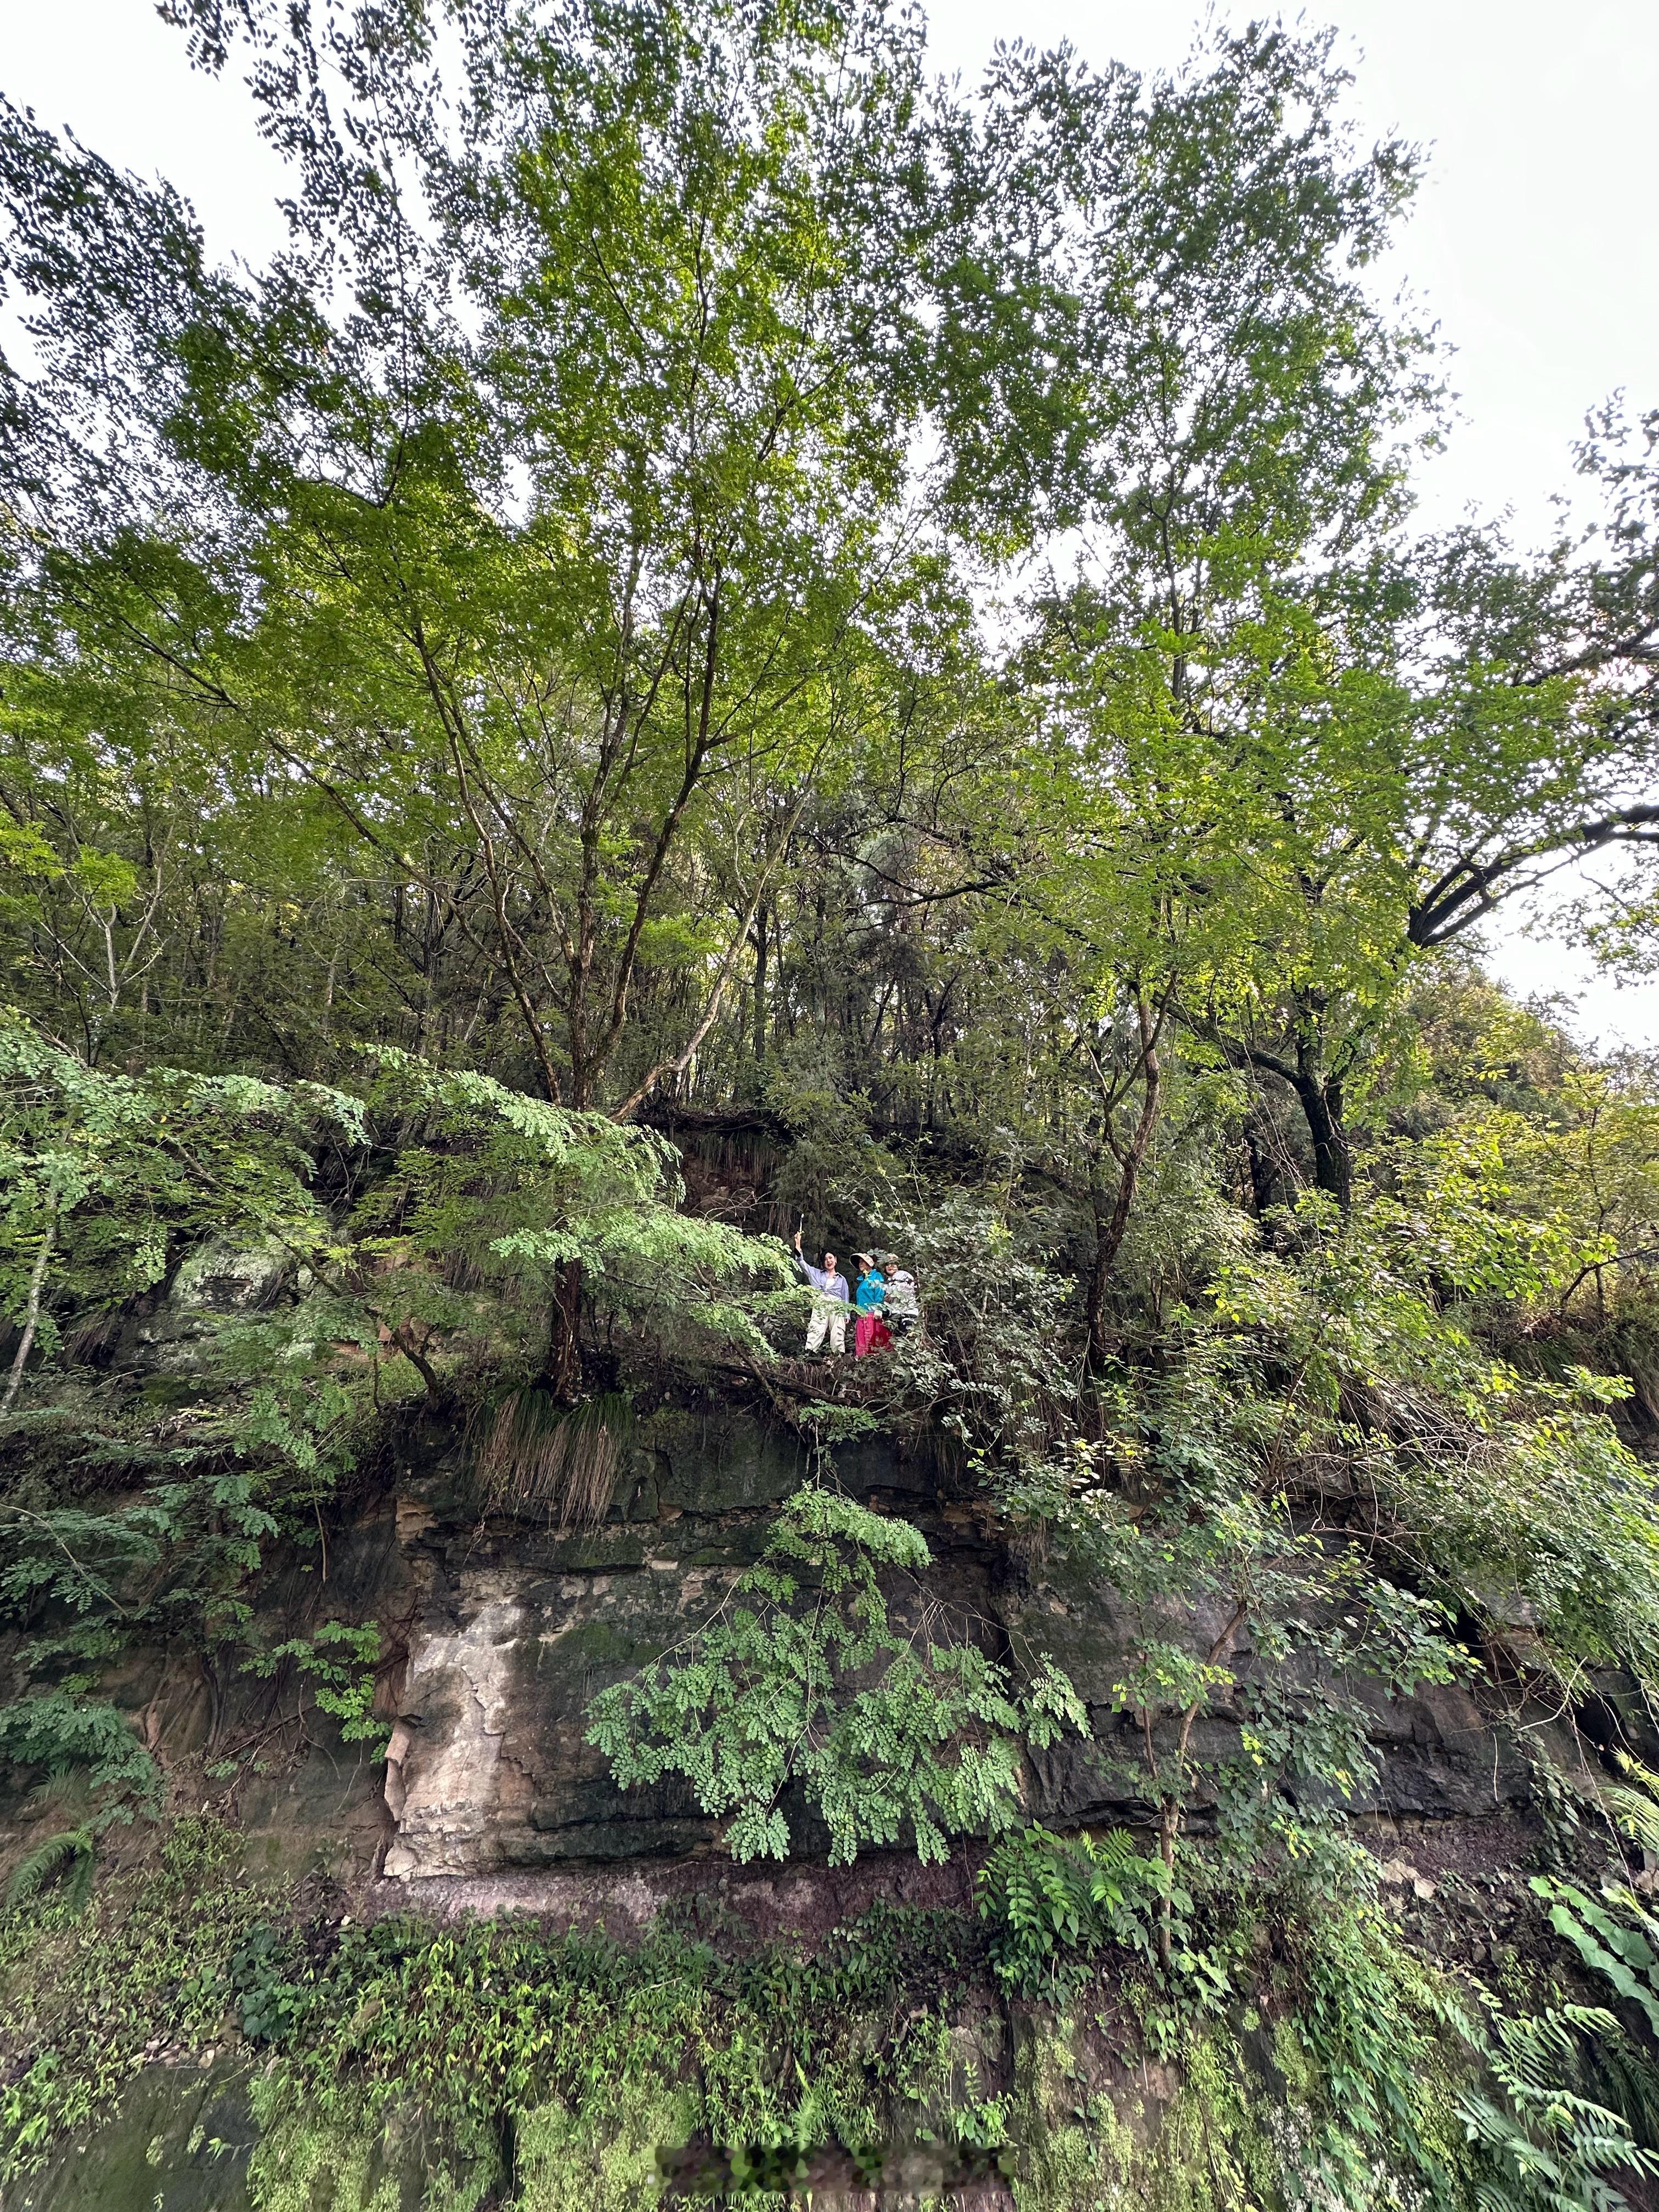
(828, 1314)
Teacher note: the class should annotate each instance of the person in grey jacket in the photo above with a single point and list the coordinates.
(831, 1304)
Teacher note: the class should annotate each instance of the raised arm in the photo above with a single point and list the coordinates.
(808, 1273)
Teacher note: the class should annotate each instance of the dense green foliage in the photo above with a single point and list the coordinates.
(506, 669)
(465, 2047)
(1052, 1903)
(730, 639)
(461, 2057)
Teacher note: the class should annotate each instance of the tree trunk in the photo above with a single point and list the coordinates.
(1318, 1093)
(403, 1337)
(760, 985)
(32, 1310)
(1263, 1169)
(1320, 1099)
(1110, 1227)
(562, 1369)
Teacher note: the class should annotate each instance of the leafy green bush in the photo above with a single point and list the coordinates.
(579, 2040)
(63, 1730)
(1369, 2037)
(337, 1661)
(801, 1677)
(259, 1973)
(1051, 1903)
(101, 1173)
(1358, 1348)
(1252, 1648)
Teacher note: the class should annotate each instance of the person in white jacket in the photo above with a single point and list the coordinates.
(902, 1308)
(832, 1305)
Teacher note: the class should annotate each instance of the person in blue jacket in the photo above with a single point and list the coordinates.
(872, 1334)
(830, 1306)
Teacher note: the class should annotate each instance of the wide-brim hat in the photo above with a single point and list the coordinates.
(866, 1258)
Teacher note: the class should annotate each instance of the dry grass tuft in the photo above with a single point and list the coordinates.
(532, 1451)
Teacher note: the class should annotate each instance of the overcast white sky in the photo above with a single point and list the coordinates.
(1535, 243)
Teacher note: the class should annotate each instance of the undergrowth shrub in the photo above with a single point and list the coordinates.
(1051, 1904)
(336, 1662)
(599, 2053)
(455, 2032)
(56, 1731)
(261, 1976)
(1367, 2040)
(1318, 2061)
(83, 1993)
(1493, 1485)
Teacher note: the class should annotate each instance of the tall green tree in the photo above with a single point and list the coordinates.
(1305, 750)
(529, 513)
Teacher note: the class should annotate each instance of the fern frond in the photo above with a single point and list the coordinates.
(74, 1847)
(1635, 1810)
(1117, 1851)
(1633, 2084)
(1549, 2146)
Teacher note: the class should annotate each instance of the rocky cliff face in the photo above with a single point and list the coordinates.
(512, 1627)
(502, 1628)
